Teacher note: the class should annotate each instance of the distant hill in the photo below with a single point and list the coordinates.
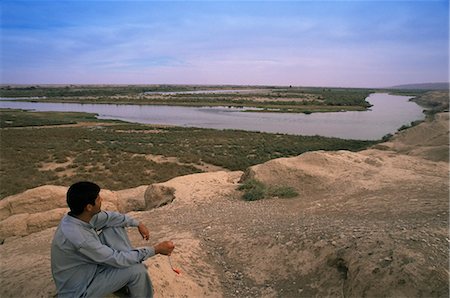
(427, 86)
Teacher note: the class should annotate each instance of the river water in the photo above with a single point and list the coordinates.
(387, 114)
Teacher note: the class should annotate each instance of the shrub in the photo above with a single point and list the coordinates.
(256, 190)
(251, 184)
(253, 190)
(386, 137)
(412, 124)
(254, 194)
(283, 192)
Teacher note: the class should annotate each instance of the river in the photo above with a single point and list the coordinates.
(388, 113)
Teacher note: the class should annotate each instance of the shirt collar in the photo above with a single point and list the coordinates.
(73, 220)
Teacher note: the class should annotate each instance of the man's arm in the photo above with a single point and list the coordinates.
(105, 219)
(113, 219)
(143, 231)
(103, 254)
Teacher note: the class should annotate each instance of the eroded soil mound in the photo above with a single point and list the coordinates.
(429, 139)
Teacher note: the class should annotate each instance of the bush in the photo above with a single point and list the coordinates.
(254, 194)
(253, 190)
(386, 137)
(256, 190)
(283, 192)
(412, 124)
(251, 184)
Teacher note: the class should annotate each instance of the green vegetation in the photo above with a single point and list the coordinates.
(118, 155)
(269, 99)
(412, 124)
(20, 118)
(407, 92)
(387, 137)
(84, 90)
(256, 190)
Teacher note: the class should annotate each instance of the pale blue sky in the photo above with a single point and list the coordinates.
(303, 43)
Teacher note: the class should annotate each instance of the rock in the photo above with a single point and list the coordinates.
(204, 187)
(40, 221)
(15, 225)
(34, 200)
(5, 210)
(157, 195)
(109, 206)
(109, 196)
(131, 199)
(31, 211)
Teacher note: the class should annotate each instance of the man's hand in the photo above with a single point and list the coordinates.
(143, 231)
(164, 248)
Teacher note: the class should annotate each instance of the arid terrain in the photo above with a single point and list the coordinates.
(372, 223)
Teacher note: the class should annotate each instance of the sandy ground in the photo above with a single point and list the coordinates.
(366, 224)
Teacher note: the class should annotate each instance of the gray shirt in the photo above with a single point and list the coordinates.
(76, 251)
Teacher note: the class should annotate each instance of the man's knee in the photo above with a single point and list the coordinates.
(138, 269)
(140, 284)
(116, 238)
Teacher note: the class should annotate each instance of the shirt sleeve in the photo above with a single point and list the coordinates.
(105, 219)
(102, 254)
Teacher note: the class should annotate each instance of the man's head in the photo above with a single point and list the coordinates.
(83, 195)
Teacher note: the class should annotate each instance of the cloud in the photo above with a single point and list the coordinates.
(326, 43)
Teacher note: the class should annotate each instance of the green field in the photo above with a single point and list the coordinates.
(40, 148)
(268, 98)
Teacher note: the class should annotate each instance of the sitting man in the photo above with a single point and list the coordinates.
(91, 255)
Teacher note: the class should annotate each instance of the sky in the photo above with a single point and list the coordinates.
(357, 43)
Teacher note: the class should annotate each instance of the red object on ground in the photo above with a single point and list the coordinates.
(176, 270)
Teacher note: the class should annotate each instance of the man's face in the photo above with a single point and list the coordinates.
(98, 205)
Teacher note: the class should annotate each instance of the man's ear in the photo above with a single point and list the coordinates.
(88, 207)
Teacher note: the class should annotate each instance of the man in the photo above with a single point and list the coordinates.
(91, 255)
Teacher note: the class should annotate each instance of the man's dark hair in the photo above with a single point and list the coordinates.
(80, 194)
